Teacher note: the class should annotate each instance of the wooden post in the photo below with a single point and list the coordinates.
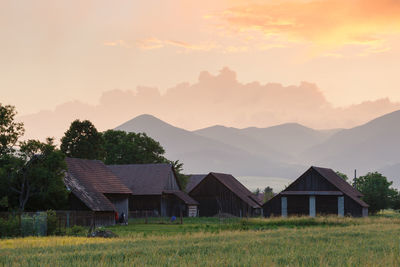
(146, 220)
(181, 216)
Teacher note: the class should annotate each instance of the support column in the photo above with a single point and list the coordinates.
(340, 206)
(312, 206)
(284, 206)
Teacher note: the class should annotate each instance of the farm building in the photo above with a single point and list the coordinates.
(317, 191)
(222, 193)
(95, 188)
(156, 190)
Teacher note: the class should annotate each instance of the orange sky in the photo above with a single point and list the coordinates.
(53, 52)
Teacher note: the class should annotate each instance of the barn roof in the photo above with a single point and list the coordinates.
(193, 180)
(236, 187)
(144, 179)
(182, 196)
(341, 184)
(89, 180)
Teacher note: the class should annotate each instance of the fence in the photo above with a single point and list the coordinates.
(29, 223)
(36, 223)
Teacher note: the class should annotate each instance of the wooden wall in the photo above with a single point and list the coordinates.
(299, 205)
(214, 197)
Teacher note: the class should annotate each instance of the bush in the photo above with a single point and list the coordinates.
(10, 227)
(51, 222)
(77, 230)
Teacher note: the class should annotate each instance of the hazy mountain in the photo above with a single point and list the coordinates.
(241, 139)
(201, 154)
(369, 147)
(279, 151)
(286, 141)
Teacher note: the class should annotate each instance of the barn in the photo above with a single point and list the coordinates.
(317, 191)
(156, 190)
(95, 188)
(222, 193)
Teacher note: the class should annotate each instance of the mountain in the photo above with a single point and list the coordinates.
(202, 154)
(286, 141)
(280, 151)
(369, 147)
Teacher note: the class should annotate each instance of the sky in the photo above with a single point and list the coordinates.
(286, 60)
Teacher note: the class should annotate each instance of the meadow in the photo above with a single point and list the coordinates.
(297, 241)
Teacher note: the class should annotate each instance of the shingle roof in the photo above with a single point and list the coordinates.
(183, 196)
(193, 180)
(236, 187)
(96, 174)
(341, 184)
(89, 180)
(144, 179)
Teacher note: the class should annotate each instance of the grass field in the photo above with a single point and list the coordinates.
(325, 241)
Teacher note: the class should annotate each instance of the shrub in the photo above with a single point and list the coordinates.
(76, 230)
(10, 227)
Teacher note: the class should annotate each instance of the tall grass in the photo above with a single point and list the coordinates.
(316, 242)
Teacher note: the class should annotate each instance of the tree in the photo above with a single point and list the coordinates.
(10, 131)
(37, 175)
(131, 148)
(82, 140)
(395, 199)
(376, 190)
(268, 193)
(343, 176)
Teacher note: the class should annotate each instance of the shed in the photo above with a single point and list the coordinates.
(95, 188)
(223, 193)
(317, 191)
(155, 189)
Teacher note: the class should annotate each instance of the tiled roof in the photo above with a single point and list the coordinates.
(89, 180)
(144, 179)
(183, 196)
(194, 179)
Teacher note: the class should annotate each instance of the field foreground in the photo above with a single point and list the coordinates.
(255, 242)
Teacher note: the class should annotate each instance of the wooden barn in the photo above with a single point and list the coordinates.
(95, 188)
(155, 190)
(222, 193)
(317, 191)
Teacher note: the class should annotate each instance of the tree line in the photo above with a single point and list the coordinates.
(32, 172)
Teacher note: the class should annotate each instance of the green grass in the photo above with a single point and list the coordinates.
(325, 241)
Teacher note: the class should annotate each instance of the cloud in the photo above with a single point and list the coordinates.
(155, 43)
(121, 43)
(213, 99)
(328, 24)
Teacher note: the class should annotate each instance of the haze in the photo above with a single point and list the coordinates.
(325, 64)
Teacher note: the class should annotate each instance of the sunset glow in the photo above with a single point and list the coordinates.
(269, 60)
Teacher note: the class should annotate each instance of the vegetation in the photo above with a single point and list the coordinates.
(127, 148)
(82, 140)
(376, 190)
(267, 193)
(10, 131)
(31, 172)
(318, 242)
(343, 176)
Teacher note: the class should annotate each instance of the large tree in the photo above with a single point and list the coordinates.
(131, 148)
(10, 130)
(36, 175)
(31, 172)
(82, 140)
(376, 190)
